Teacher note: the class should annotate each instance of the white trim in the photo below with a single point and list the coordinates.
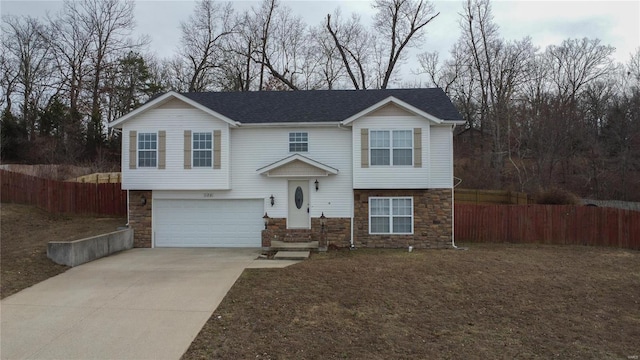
(306, 133)
(391, 216)
(328, 169)
(138, 150)
(391, 148)
(292, 124)
(163, 99)
(398, 102)
(193, 150)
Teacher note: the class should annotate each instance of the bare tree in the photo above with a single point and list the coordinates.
(577, 62)
(28, 50)
(202, 41)
(400, 24)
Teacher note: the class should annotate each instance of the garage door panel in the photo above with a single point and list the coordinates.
(208, 223)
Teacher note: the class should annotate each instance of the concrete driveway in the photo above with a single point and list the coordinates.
(139, 304)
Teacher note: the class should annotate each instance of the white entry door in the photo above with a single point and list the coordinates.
(298, 217)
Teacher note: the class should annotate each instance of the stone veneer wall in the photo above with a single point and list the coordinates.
(140, 218)
(432, 219)
(337, 232)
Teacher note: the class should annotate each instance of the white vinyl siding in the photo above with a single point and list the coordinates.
(298, 142)
(391, 215)
(147, 150)
(441, 144)
(178, 124)
(254, 148)
(368, 176)
(202, 149)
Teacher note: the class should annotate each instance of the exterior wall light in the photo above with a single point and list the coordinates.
(317, 185)
(265, 218)
(143, 200)
(273, 200)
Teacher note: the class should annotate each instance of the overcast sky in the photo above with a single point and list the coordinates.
(616, 23)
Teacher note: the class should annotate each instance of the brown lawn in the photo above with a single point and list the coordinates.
(492, 301)
(24, 233)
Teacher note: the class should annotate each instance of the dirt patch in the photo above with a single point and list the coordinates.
(492, 301)
(25, 232)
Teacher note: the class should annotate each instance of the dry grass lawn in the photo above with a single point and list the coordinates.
(24, 234)
(492, 301)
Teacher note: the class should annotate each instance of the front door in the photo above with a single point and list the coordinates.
(298, 205)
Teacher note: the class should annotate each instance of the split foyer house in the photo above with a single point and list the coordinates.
(368, 168)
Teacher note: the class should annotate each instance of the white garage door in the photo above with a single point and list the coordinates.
(207, 223)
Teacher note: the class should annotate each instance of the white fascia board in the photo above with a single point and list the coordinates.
(164, 98)
(294, 157)
(395, 101)
(291, 124)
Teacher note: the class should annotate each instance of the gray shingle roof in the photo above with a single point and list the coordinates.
(318, 105)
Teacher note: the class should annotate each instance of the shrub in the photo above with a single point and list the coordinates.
(557, 196)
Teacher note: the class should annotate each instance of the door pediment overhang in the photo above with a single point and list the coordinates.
(297, 166)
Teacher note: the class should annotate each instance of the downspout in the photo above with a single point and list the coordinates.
(453, 202)
(127, 208)
(352, 246)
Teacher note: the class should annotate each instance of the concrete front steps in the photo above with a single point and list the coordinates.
(293, 250)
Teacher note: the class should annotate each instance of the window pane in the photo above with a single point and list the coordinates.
(298, 147)
(402, 138)
(379, 225)
(298, 142)
(379, 139)
(402, 157)
(202, 158)
(402, 225)
(401, 206)
(380, 157)
(380, 207)
(147, 158)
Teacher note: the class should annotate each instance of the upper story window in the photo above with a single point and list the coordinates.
(147, 149)
(298, 142)
(391, 215)
(202, 149)
(391, 147)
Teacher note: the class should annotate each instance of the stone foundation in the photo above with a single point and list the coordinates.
(140, 217)
(337, 232)
(432, 219)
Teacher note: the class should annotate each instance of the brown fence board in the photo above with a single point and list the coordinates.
(63, 197)
(548, 224)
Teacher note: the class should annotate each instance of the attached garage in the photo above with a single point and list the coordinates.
(207, 223)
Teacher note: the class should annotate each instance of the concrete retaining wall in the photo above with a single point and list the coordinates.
(74, 253)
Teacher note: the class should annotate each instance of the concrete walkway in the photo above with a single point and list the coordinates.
(139, 304)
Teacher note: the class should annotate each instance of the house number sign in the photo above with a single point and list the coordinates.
(208, 195)
(298, 197)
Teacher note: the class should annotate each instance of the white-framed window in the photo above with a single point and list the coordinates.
(147, 150)
(298, 142)
(202, 149)
(391, 215)
(391, 147)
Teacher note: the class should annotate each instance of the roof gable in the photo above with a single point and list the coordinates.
(171, 100)
(389, 101)
(297, 165)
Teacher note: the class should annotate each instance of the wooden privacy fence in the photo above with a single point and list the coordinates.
(473, 196)
(63, 197)
(548, 224)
